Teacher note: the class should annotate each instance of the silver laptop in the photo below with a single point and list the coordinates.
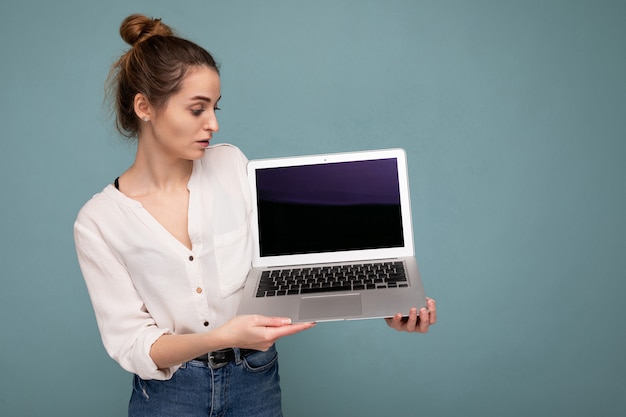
(333, 238)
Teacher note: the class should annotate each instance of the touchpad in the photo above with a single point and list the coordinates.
(330, 306)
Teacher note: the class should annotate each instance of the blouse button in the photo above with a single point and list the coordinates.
(199, 290)
(191, 258)
(206, 324)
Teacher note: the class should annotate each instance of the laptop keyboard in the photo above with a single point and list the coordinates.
(362, 276)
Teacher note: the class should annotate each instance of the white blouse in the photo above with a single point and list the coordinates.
(144, 283)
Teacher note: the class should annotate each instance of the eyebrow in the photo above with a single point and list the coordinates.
(203, 98)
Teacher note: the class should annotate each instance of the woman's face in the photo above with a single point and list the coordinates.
(185, 125)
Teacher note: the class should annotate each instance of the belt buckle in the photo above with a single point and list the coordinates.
(215, 365)
(223, 361)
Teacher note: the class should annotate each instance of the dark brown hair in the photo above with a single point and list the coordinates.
(155, 65)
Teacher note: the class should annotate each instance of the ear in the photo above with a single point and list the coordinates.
(143, 108)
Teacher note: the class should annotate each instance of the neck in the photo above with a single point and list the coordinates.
(154, 172)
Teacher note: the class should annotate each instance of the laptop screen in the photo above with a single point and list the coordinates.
(329, 207)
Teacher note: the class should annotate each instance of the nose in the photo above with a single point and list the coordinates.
(211, 124)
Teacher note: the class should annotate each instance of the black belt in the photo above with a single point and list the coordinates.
(222, 357)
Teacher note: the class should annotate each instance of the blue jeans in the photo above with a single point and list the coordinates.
(247, 386)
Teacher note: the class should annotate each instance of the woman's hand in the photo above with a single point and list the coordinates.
(249, 332)
(257, 332)
(415, 323)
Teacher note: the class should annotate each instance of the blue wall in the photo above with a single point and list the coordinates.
(513, 115)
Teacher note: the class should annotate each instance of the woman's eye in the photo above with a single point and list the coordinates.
(216, 108)
(197, 112)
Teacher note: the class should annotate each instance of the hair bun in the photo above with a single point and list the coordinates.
(137, 27)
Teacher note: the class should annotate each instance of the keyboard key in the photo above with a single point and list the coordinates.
(329, 289)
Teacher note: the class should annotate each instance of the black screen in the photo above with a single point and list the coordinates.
(329, 207)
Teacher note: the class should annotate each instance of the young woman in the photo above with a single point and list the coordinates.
(165, 249)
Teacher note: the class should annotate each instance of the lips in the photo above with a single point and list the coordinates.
(205, 143)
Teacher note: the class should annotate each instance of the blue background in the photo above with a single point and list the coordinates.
(513, 117)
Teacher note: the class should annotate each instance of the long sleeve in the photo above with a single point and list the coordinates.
(127, 328)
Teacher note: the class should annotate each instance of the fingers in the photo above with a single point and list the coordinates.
(289, 330)
(404, 323)
(258, 332)
(282, 323)
(424, 321)
(418, 322)
(272, 321)
(427, 315)
(395, 322)
(413, 321)
(278, 327)
(432, 308)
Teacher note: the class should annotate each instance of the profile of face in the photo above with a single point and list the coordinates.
(185, 125)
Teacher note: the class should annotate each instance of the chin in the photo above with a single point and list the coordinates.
(199, 154)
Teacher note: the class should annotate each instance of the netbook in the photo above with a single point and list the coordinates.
(333, 238)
